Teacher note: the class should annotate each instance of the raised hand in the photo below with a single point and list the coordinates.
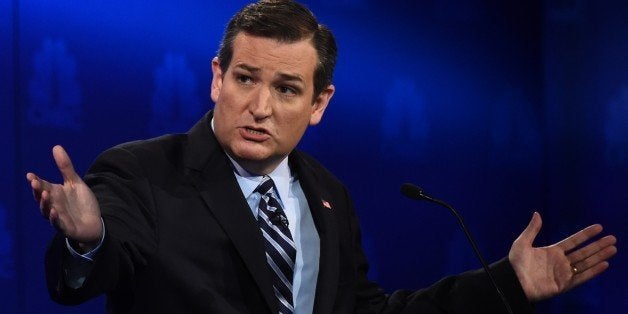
(547, 271)
(71, 207)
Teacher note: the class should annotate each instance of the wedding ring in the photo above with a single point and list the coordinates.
(574, 270)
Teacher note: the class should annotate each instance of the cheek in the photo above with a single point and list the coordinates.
(225, 115)
(296, 124)
(226, 104)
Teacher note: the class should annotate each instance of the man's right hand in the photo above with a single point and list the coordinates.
(71, 207)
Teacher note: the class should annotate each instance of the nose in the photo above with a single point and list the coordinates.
(260, 104)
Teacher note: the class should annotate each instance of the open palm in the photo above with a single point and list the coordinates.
(547, 271)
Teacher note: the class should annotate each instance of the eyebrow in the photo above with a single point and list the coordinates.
(283, 76)
(248, 68)
(291, 77)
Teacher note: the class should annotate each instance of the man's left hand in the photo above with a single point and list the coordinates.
(547, 271)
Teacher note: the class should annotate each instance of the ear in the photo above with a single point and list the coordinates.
(320, 104)
(216, 79)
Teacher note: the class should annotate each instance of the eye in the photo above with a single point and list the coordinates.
(244, 79)
(287, 90)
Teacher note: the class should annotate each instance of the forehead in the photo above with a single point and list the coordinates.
(271, 56)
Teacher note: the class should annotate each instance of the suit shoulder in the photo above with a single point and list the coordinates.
(309, 163)
(152, 153)
(151, 145)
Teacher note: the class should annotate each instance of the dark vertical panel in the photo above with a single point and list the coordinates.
(586, 75)
(9, 218)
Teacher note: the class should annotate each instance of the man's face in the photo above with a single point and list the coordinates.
(264, 100)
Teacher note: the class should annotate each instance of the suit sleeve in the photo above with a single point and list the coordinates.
(469, 292)
(127, 209)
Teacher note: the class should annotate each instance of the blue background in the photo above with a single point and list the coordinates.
(499, 107)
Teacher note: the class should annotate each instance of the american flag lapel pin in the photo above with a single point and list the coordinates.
(326, 204)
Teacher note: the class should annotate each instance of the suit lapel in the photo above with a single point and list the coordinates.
(322, 212)
(211, 173)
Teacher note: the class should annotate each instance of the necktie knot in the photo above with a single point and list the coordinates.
(266, 186)
(270, 204)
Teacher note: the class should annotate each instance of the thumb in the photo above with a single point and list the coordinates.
(531, 231)
(64, 164)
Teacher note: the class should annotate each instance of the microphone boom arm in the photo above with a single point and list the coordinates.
(414, 192)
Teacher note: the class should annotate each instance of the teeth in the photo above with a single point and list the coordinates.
(254, 132)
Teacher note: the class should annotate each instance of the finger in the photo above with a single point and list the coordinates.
(591, 249)
(44, 204)
(41, 188)
(56, 222)
(64, 164)
(599, 257)
(579, 237)
(31, 176)
(42, 201)
(532, 230)
(52, 217)
(588, 274)
(37, 185)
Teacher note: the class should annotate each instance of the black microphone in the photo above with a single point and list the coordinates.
(414, 192)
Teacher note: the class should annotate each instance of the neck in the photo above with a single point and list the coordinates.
(256, 167)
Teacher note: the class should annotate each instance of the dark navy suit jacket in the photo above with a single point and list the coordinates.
(181, 239)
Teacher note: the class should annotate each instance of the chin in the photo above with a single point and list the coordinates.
(247, 154)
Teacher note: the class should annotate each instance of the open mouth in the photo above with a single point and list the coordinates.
(256, 135)
(255, 132)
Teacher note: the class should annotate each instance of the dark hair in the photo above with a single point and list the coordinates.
(286, 21)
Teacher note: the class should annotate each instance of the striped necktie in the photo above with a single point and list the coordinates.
(280, 249)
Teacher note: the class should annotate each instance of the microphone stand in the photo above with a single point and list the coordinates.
(414, 192)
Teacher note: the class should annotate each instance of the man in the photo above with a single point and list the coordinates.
(230, 218)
